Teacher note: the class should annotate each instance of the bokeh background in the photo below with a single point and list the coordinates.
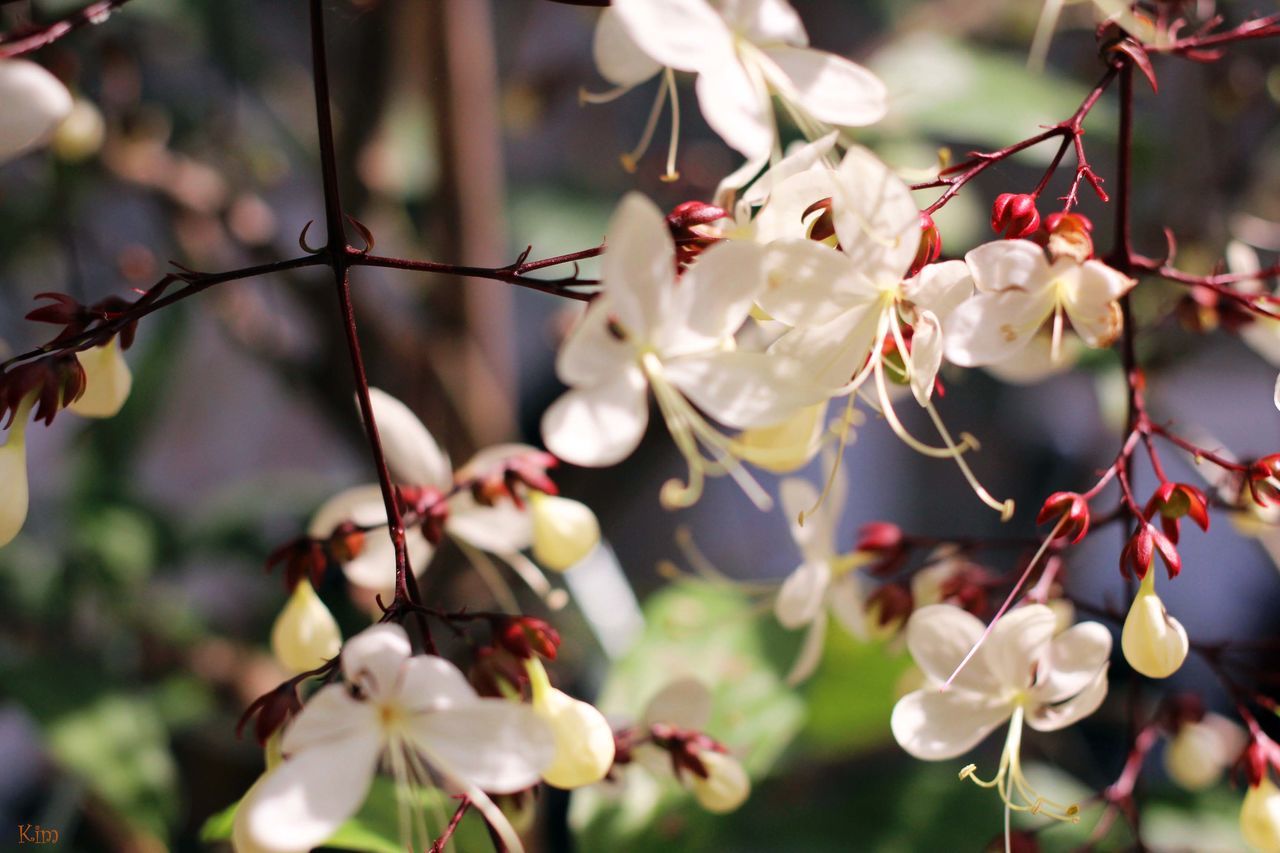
(134, 611)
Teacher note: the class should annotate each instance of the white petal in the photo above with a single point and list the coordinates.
(412, 453)
(621, 61)
(638, 268)
(713, 297)
(800, 158)
(1017, 642)
(830, 88)
(107, 381)
(809, 283)
(35, 103)
(1050, 718)
(1090, 300)
(330, 716)
(304, 800)
(802, 595)
(926, 355)
(833, 352)
(599, 425)
(935, 725)
(765, 21)
(743, 389)
(737, 108)
(1074, 658)
(498, 529)
(783, 217)
(848, 603)
(940, 288)
(685, 702)
(494, 744)
(995, 327)
(591, 353)
(683, 34)
(1035, 361)
(375, 567)
(374, 658)
(939, 637)
(875, 217)
(1008, 265)
(810, 651)
(14, 497)
(431, 683)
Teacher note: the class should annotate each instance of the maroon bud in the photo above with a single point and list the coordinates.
(890, 605)
(689, 223)
(1069, 509)
(346, 542)
(1014, 215)
(930, 245)
(526, 636)
(1138, 553)
(270, 712)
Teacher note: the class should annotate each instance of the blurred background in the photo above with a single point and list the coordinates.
(134, 611)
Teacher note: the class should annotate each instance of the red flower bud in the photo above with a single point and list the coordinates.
(1071, 510)
(1014, 215)
(1140, 551)
(930, 245)
(1175, 500)
(688, 225)
(526, 636)
(1068, 235)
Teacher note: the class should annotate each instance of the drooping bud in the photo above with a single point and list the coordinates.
(786, 446)
(1014, 215)
(81, 133)
(305, 634)
(1069, 509)
(1175, 500)
(1154, 643)
(726, 785)
(35, 102)
(14, 496)
(930, 245)
(1069, 236)
(107, 381)
(690, 225)
(564, 531)
(1260, 817)
(584, 741)
(1201, 750)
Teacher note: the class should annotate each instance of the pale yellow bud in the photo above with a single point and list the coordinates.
(1154, 643)
(107, 381)
(13, 478)
(784, 447)
(1200, 751)
(727, 785)
(35, 102)
(80, 135)
(564, 531)
(1260, 817)
(583, 738)
(305, 634)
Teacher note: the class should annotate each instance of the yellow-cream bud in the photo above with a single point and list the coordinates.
(13, 476)
(583, 738)
(564, 531)
(1200, 751)
(727, 785)
(1260, 817)
(81, 133)
(107, 381)
(305, 634)
(1154, 643)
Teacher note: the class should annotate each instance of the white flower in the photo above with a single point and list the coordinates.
(1019, 291)
(35, 103)
(825, 580)
(408, 713)
(584, 745)
(1118, 11)
(305, 634)
(415, 459)
(649, 329)
(1021, 673)
(744, 52)
(1260, 817)
(1154, 643)
(564, 531)
(1200, 751)
(107, 381)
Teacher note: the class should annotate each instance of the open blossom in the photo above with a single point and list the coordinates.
(35, 103)
(651, 330)
(1019, 291)
(825, 581)
(412, 714)
(1022, 673)
(744, 54)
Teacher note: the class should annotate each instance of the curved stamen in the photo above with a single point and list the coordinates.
(632, 157)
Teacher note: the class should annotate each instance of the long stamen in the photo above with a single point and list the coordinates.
(490, 576)
(1055, 348)
(1005, 507)
(886, 409)
(586, 97)
(672, 174)
(846, 423)
(632, 157)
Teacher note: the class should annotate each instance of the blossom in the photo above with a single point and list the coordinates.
(825, 581)
(409, 713)
(651, 330)
(1260, 817)
(35, 103)
(305, 634)
(584, 746)
(1154, 643)
(1019, 290)
(744, 53)
(564, 531)
(1022, 673)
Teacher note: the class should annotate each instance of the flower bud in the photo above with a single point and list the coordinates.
(726, 785)
(1201, 750)
(13, 474)
(1260, 817)
(1154, 643)
(887, 610)
(786, 446)
(583, 738)
(930, 245)
(1069, 236)
(305, 634)
(1014, 215)
(81, 133)
(564, 531)
(526, 636)
(107, 381)
(1071, 510)
(35, 103)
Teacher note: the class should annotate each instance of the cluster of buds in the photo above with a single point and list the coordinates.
(692, 228)
(307, 558)
(956, 581)
(718, 781)
(1014, 216)
(499, 667)
(430, 507)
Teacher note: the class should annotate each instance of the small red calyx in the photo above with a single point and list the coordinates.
(1140, 551)
(304, 559)
(1070, 510)
(1175, 500)
(1014, 215)
(75, 318)
(823, 226)
(886, 541)
(513, 477)
(53, 382)
(689, 223)
(1264, 480)
(930, 245)
(890, 605)
(1261, 752)
(527, 636)
(1069, 235)
(968, 588)
(684, 747)
(430, 505)
(271, 711)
